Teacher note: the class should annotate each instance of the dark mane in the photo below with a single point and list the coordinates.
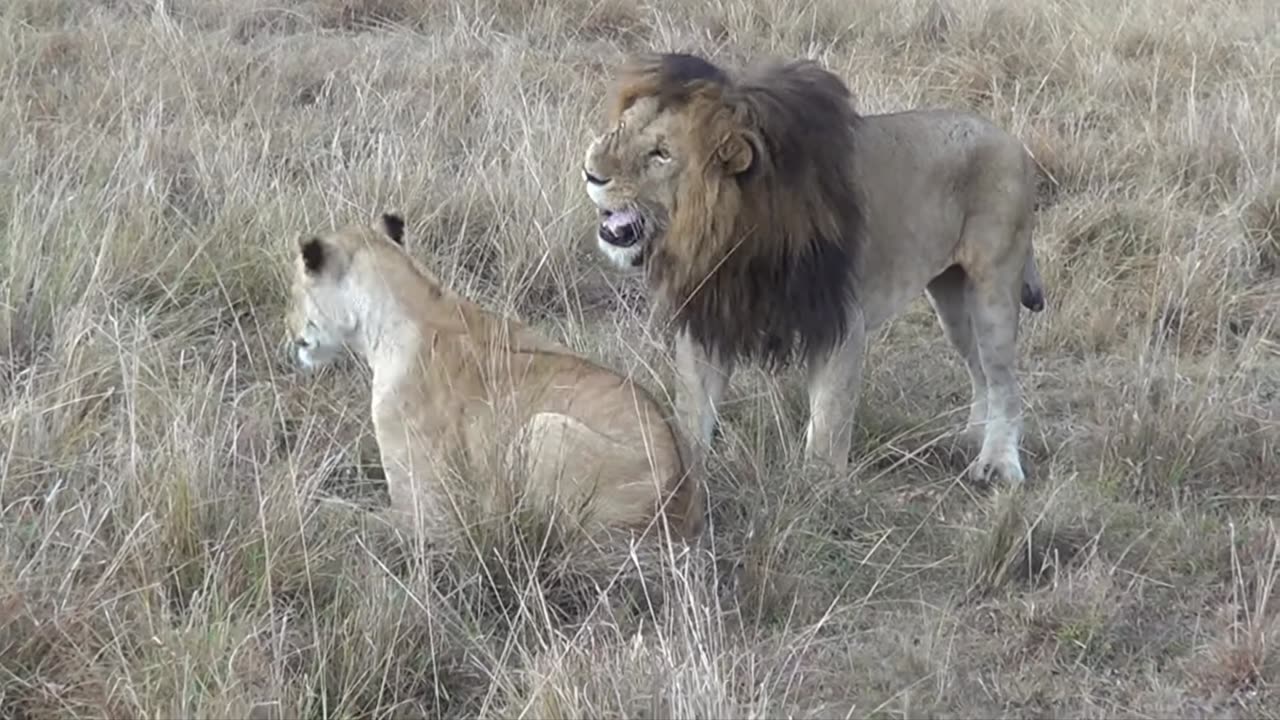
(774, 274)
(671, 77)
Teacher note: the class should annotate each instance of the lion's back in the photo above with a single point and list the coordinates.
(958, 160)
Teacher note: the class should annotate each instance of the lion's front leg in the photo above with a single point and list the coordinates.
(702, 377)
(414, 463)
(413, 491)
(835, 383)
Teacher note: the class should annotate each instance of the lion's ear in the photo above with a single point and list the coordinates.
(393, 226)
(313, 254)
(737, 153)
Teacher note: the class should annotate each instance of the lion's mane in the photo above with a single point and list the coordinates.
(760, 264)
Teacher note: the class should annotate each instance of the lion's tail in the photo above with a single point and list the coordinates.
(1032, 287)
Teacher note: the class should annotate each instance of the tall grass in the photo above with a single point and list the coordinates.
(185, 525)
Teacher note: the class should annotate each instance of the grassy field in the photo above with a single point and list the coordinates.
(182, 522)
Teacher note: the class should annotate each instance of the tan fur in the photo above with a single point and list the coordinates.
(453, 381)
(775, 223)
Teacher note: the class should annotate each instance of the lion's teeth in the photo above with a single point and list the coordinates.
(620, 219)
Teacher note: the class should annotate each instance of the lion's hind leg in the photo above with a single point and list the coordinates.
(950, 295)
(993, 302)
(570, 465)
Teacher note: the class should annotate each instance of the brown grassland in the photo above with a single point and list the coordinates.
(183, 516)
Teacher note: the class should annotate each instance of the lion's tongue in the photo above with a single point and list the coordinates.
(621, 219)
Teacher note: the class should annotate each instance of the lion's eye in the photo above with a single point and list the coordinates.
(659, 154)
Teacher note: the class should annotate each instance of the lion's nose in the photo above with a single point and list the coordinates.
(594, 179)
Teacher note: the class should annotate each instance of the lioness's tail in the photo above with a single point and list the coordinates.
(1032, 287)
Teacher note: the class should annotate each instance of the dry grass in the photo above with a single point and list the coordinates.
(181, 522)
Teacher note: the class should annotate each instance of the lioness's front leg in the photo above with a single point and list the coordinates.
(701, 377)
(834, 385)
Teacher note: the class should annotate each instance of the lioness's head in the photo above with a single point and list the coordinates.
(321, 317)
(673, 139)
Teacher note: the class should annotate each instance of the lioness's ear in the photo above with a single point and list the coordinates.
(313, 254)
(393, 226)
(737, 153)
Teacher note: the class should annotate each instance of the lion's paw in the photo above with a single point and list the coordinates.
(1003, 467)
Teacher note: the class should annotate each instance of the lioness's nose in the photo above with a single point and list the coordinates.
(594, 179)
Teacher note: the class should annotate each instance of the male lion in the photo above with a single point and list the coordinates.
(775, 223)
(452, 379)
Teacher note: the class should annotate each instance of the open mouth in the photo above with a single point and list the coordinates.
(622, 228)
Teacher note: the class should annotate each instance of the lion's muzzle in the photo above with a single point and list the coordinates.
(621, 229)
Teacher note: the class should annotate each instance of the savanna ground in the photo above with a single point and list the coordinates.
(181, 531)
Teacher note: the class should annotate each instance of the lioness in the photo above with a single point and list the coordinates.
(775, 222)
(451, 378)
